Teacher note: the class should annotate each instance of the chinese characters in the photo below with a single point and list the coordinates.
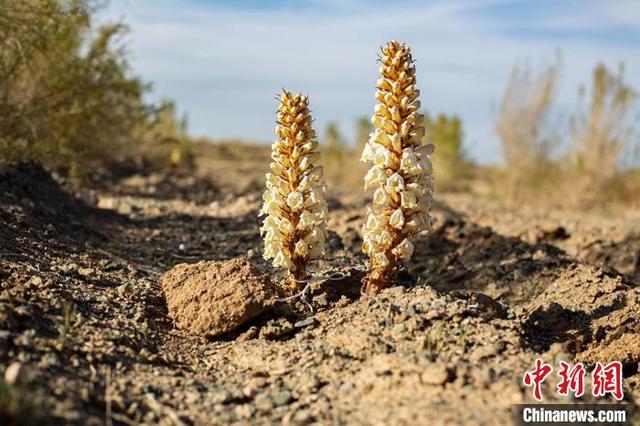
(605, 379)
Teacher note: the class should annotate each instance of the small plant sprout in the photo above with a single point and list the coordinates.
(294, 229)
(400, 174)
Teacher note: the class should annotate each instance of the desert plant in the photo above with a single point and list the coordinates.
(601, 133)
(523, 128)
(334, 153)
(452, 164)
(67, 95)
(400, 174)
(294, 229)
(363, 131)
(163, 138)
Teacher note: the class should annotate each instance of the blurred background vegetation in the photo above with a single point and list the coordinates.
(69, 100)
(587, 159)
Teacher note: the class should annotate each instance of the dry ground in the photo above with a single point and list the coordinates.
(490, 290)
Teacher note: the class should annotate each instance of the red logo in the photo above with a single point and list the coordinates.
(608, 379)
(536, 377)
(571, 379)
(605, 379)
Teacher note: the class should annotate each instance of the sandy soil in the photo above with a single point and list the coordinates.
(85, 329)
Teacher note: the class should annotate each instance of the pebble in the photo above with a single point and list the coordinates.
(275, 329)
(282, 398)
(346, 387)
(123, 289)
(434, 314)
(302, 417)
(219, 396)
(49, 360)
(500, 346)
(481, 353)
(244, 411)
(192, 398)
(435, 374)
(396, 291)
(308, 383)
(400, 328)
(321, 300)
(36, 280)
(305, 322)
(15, 374)
(252, 388)
(412, 310)
(86, 272)
(264, 402)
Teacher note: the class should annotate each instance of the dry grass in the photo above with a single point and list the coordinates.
(523, 129)
(590, 172)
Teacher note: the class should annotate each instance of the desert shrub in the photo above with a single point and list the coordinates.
(525, 132)
(67, 97)
(364, 127)
(335, 153)
(163, 139)
(452, 165)
(601, 132)
(589, 169)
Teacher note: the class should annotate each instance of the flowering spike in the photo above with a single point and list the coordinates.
(400, 175)
(294, 229)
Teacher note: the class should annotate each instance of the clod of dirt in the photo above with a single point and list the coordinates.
(545, 232)
(212, 298)
(625, 349)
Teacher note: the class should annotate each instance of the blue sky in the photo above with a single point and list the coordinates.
(224, 61)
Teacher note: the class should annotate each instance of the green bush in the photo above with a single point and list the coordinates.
(67, 97)
(451, 164)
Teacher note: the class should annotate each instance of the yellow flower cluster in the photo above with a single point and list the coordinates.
(294, 229)
(401, 171)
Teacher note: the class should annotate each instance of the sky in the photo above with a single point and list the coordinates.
(224, 62)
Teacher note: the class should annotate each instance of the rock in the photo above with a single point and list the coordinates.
(219, 396)
(36, 280)
(86, 272)
(252, 388)
(305, 322)
(191, 397)
(625, 349)
(545, 232)
(301, 417)
(321, 300)
(244, 411)
(282, 397)
(308, 383)
(264, 402)
(434, 314)
(16, 374)
(482, 352)
(211, 298)
(7, 317)
(274, 329)
(479, 304)
(123, 289)
(435, 374)
(49, 360)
